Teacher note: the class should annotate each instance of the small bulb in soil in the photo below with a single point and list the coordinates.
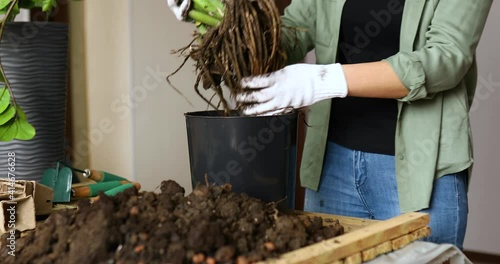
(242, 260)
(134, 210)
(198, 258)
(269, 246)
(138, 249)
(211, 260)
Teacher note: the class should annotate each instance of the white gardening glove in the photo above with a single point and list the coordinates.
(293, 87)
(180, 8)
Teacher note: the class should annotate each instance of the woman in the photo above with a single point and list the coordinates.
(388, 126)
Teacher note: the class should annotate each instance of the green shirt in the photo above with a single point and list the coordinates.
(436, 62)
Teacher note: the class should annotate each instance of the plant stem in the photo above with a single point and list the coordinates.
(218, 5)
(202, 29)
(2, 71)
(203, 18)
(206, 6)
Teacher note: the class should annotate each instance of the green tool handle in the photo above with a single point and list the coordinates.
(102, 176)
(118, 189)
(92, 190)
(106, 186)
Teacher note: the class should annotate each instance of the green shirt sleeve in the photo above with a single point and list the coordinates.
(452, 39)
(298, 29)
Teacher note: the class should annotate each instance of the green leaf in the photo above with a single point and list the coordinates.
(4, 99)
(25, 131)
(2, 80)
(5, 4)
(48, 5)
(13, 14)
(8, 131)
(7, 115)
(21, 114)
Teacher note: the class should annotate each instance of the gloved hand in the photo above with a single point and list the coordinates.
(180, 8)
(293, 87)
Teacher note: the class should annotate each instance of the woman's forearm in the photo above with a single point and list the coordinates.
(373, 80)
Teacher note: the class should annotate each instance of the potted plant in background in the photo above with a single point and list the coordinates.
(33, 81)
(255, 154)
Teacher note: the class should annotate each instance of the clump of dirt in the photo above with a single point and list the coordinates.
(210, 225)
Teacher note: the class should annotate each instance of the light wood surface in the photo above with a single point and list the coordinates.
(350, 223)
(368, 240)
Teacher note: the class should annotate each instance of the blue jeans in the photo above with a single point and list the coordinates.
(361, 184)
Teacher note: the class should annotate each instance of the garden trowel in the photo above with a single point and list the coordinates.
(60, 180)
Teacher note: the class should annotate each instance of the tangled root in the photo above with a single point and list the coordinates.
(246, 43)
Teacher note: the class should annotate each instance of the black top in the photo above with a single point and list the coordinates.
(369, 31)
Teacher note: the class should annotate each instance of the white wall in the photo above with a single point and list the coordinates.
(483, 232)
(159, 128)
(108, 66)
(135, 123)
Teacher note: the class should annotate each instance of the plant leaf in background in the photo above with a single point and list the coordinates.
(4, 6)
(21, 114)
(4, 99)
(48, 5)
(13, 121)
(25, 131)
(4, 3)
(7, 115)
(8, 131)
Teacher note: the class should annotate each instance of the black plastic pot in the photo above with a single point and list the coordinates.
(256, 155)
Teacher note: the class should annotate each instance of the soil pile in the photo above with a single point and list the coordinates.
(210, 225)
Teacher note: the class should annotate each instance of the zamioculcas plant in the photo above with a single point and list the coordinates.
(234, 40)
(13, 122)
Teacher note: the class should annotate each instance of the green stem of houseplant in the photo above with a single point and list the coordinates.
(2, 71)
(206, 14)
(209, 7)
(203, 18)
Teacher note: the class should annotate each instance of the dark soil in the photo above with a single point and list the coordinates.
(210, 225)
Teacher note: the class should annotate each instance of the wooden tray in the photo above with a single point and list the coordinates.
(364, 239)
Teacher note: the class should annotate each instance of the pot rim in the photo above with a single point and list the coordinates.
(211, 114)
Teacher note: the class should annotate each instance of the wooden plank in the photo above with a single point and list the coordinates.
(421, 233)
(395, 244)
(354, 259)
(403, 241)
(370, 253)
(376, 251)
(349, 223)
(343, 246)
